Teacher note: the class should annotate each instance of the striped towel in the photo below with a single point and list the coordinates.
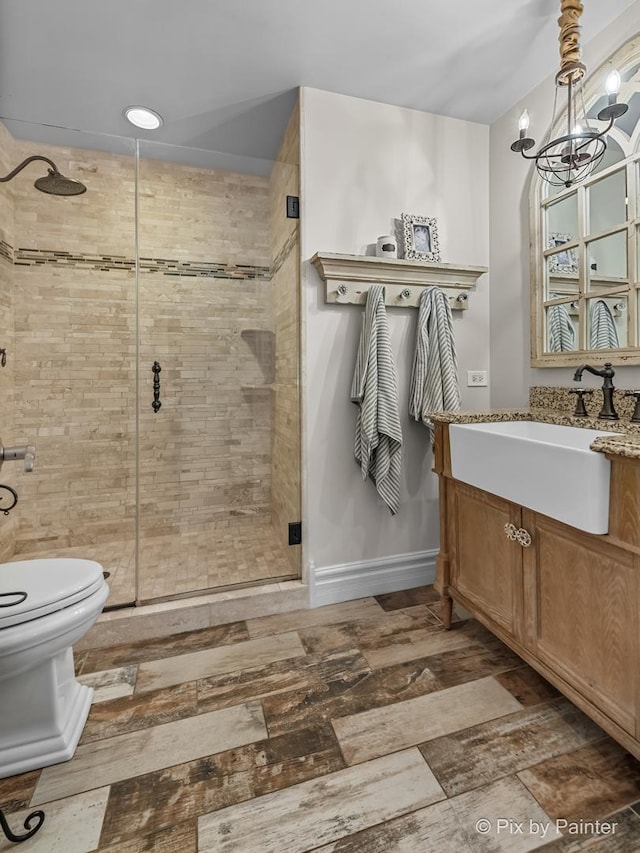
(378, 440)
(434, 382)
(562, 335)
(603, 333)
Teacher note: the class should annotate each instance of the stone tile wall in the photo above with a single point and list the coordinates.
(208, 313)
(8, 523)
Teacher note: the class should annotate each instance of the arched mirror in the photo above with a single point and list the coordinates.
(585, 259)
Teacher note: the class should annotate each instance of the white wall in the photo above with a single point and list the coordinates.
(509, 182)
(363, 164)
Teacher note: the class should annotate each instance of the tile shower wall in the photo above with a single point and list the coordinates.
(74, 286)
(205, 456)
(8, 475)
(285, 454)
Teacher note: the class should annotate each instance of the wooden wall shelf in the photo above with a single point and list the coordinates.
(348, 278)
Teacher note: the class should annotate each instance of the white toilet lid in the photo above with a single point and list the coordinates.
(49, 584)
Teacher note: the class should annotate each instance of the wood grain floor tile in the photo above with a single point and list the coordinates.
(181, 838)
(111, 683)
(416, 644)
(505, 800)
(431, 830)
(340, 697)
(346, 611)
(158, 800)
(308, 815)
(625, 837)
(376, 732)
(374, 632)
(407, 598)
(587, 783)
(162, 647)
(307, 675)
(16, 791)
(71, 825)
(484, 655)
(107, 761)
(481, 754)
(194, 665)
(527, 686)
(141, 711)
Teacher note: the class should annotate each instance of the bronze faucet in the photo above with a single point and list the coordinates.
(608, 412)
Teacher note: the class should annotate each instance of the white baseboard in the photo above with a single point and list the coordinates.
(332, 584)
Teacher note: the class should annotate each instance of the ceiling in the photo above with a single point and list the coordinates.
(224, 73)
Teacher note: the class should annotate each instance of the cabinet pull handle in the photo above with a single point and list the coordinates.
(511, 531)
(523, 537)
(518, 534)
(156, 387)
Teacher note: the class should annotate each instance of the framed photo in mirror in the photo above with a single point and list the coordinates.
(565, 261)
(420, 236)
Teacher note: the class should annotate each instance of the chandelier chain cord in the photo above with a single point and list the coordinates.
(569, 38)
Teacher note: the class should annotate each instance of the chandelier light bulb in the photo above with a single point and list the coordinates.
(612, 84)
(523, 123)
(577, 130)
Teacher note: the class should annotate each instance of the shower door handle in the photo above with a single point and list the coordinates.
(156, 386)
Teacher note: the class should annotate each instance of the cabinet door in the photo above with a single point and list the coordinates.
(581, 597)
(486, 566)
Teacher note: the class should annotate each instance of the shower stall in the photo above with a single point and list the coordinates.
(151, 329)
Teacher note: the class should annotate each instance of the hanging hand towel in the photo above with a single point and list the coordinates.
(378, 439)
(434, 381)
(603, 327)
(562, 336)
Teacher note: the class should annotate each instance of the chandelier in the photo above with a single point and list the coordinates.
(569, 159)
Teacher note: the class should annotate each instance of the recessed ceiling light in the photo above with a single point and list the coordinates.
(143, 117)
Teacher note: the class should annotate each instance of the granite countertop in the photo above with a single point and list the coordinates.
(627, 444)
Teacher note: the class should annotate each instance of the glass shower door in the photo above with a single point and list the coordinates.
(208, 439)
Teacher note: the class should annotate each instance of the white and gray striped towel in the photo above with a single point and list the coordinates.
(378, 439)
(562, 335)
(434, 380)
(604, 334)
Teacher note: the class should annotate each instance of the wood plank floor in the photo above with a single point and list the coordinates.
(362, 727)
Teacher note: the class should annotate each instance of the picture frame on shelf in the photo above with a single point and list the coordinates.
(565, 262)
(420, 237)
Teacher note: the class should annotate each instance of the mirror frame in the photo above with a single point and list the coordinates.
(623, 58)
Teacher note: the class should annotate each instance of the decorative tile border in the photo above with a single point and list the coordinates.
(108, 263)
(204, 270)
(289, 244)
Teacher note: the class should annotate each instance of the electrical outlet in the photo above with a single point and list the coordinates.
(476, 378)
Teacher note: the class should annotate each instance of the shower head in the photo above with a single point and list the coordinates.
(56, 184)
(53, 183)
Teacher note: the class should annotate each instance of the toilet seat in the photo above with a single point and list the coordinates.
(50, 585)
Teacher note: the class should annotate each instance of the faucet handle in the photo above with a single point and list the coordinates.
(635, 417)
(581, 411)
(29, 457)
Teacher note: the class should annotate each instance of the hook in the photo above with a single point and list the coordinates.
(342, 289)
(3, 357)
(405, 294)
(7, 509)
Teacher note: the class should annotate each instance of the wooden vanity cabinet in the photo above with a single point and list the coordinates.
(486, 567)
(566, 601)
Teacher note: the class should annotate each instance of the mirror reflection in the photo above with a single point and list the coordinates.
(586, 261)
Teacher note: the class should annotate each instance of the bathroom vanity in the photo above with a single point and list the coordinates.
(565, 600)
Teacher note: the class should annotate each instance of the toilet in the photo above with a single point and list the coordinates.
(46, 606)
